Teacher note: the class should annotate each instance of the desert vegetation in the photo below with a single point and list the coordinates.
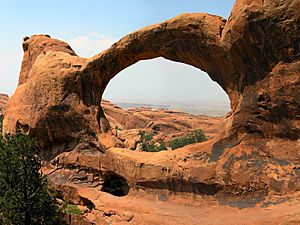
(25, 197)
(149, 144)
(192, 137)
(70, 208)
(247, 173)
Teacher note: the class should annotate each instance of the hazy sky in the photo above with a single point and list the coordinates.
(91, 26)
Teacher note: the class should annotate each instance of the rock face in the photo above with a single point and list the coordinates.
(3, 103)
(254, 56)
(49, 96)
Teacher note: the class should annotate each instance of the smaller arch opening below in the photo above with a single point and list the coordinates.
(115, 185)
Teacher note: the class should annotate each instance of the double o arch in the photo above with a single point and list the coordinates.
(61, 92)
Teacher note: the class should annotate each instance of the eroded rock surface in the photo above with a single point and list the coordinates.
(3, 103)
(164, 124)
(254, 57)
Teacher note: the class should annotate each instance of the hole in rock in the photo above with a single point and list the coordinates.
(162, 83)
(115, 185)
(159, 95)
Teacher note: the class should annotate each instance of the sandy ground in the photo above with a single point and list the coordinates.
(150, 209)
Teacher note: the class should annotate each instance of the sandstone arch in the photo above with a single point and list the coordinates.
(254, 57)
(193, 39)
(236, 54)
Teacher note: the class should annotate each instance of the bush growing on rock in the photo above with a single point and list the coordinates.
(25, 198)
(150, 145)
(195, 136)
(70, 209)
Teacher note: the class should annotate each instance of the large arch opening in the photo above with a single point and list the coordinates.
(161, 82)
(192, 39)
(158, 100)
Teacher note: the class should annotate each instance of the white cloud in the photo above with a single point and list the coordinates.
(84, 45)
(91, 44)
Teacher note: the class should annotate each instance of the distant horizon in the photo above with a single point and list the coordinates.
(195, 108)
(165, 101)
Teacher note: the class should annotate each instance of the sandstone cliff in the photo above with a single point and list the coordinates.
(3, 103)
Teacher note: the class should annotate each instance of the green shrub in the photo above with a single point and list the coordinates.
(70, 209)
(150, 145)
(162, 145)
(195, 136)
(25, 197)
(146, 137)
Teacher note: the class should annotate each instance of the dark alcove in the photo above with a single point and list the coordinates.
(115, 185)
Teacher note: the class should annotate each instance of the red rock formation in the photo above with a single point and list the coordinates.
(166, 124)
(39, 46)
(254, 57)
(3, 103)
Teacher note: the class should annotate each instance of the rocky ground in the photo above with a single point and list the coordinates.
(129, 187)
(133, 187)
(164, 124)
(146, 207)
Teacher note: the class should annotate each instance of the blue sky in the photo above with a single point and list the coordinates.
(91, 26)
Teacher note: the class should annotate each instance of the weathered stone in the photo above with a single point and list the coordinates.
(70, 194)
(254, 57)
(3, 103)
(73, 219)
(127, 216)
